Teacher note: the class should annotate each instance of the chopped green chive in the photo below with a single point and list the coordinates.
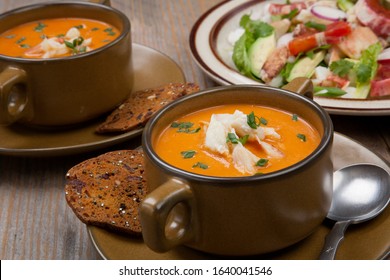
(76, 45)
(200, 165)
(302, 137)
(189, 131)
(252, 120)
(188, 154)
(263, 121)
(262, 162)
(39, 27)
(291, 14)
(231, 137)
(294, 117)
(318, 26)
(328, 91)
(10, 36)
(244, 139)
(109, 31)
(20, 40)
(184, 127)
(182, 124)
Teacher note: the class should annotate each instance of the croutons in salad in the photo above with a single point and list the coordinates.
(342, 45)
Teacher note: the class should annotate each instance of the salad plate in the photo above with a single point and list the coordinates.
(369, 240)
(212, 52)
(20, 140)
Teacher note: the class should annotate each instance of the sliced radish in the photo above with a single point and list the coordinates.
(380, 88)
(384, 56)
(374, 15)
(328, 13)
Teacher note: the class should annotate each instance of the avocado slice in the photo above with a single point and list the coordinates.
(259, 51)
(305, 66)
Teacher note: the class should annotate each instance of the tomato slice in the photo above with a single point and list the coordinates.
(333, 34)
(335, 31)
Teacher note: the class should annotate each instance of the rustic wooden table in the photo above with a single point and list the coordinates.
(35, 221)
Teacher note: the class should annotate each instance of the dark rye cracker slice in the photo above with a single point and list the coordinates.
(141, 105)
(105, 191)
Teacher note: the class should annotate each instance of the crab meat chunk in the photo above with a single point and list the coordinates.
(243, 159)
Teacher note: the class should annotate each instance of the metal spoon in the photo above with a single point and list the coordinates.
(360, 192)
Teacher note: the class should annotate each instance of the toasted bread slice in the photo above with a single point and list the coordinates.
(105, 191)
(141, 105)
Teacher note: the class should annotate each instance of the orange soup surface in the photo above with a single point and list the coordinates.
(58, 37)
(237, 140)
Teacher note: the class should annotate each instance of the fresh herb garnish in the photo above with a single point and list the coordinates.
(80, 26)
(243, 139)
(182, 124)
(25, 46)
(40, 26)
(317, 26)
(294, 117)
(263, 121)
(10, 36)
(20, 40)
(184, 127)
(341, 67)
(262, 162)
(95, 29)
(200, 165)
(302, 137)
(231, 137)
(109, 31)
(291, 14)
(328, 91)
(76, 45)
(254, 121)
(188, 154)
(257, 28)
(189, 131)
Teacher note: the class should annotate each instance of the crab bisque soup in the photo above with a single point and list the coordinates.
(57, 37)
(237, 140)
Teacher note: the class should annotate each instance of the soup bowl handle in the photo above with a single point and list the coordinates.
(302, 86)
(167, 216)
(13, 95)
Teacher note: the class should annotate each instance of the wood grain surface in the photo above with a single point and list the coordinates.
(35, 221)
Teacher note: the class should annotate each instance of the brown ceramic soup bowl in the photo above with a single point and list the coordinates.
(237, 215)
(67, 90)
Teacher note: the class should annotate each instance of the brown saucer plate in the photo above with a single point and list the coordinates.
(19, 140)
(369, 240)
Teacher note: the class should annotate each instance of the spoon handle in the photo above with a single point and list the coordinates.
(333, 239)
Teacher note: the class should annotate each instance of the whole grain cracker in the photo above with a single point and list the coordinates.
(105, 191)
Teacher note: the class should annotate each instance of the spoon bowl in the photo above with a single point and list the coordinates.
(360, 193)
